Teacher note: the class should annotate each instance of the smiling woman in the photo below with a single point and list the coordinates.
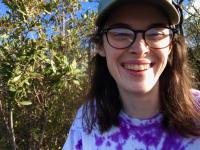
(141, 94)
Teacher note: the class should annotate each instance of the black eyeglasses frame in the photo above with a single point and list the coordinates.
(106, 30)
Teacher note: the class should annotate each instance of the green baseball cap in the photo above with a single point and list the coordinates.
(106, 6)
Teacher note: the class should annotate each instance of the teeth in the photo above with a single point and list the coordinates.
(137, 67)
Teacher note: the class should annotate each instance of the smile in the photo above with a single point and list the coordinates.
(138, 67)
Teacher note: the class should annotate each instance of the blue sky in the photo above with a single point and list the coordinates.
(3, 9)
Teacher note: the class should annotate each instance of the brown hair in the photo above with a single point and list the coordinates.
(181, 111)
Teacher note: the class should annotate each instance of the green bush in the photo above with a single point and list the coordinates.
(43, 71)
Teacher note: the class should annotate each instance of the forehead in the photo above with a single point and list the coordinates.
(137, 15)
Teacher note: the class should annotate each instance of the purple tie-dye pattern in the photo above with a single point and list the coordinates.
(175, 140)
(148, 132)
(79, 145)
(119, 147)
(99, 140)
(108, 144)
(172, 139)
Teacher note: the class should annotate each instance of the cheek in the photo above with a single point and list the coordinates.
(111, 54)
(164, 61)
(113, 59)
(161, 59)
(167, 52)
(163, 54)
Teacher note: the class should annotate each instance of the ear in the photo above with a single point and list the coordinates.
(100, 50)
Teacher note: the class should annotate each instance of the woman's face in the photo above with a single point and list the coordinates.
(135, 69)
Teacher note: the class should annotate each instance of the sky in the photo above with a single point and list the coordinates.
(3, 9)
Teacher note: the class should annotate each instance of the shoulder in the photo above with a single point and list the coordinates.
(83, 118)
(78, 137)
(78, 121)
(74, 138)
(196, 94)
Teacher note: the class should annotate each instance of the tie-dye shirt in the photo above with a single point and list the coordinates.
(131, 134)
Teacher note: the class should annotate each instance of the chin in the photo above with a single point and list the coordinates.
(140, 89)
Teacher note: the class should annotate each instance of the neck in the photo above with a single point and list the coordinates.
(142, 105)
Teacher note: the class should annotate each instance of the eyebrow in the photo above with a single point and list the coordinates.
(124, 25)
(120, 25)
(158, 25)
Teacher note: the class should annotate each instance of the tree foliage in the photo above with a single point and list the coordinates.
(43, 66)
(192, 33)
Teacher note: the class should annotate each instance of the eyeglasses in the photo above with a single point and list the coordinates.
(154, 37)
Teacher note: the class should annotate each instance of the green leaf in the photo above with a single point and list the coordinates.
(12, 89)
(25, 103)
(4, 36)
(23, 13)
(15, 79)
(76, 82)
(74, 64)
(46, 11)
(53, 66)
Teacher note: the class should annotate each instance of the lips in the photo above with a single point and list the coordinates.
(137, 67)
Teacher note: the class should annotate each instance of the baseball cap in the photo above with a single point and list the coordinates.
(106, 6)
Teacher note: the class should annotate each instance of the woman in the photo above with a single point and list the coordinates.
(140, 96)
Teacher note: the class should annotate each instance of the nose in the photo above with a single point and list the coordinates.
(139, 47)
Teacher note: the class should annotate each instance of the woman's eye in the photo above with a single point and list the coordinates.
(156, 36)
(121, 34)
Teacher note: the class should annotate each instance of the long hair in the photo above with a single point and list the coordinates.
(179, 108)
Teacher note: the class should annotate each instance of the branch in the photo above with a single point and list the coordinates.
(196, 14)
(44, 116)
(10, 128)
(14, 146)
(5, 121)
